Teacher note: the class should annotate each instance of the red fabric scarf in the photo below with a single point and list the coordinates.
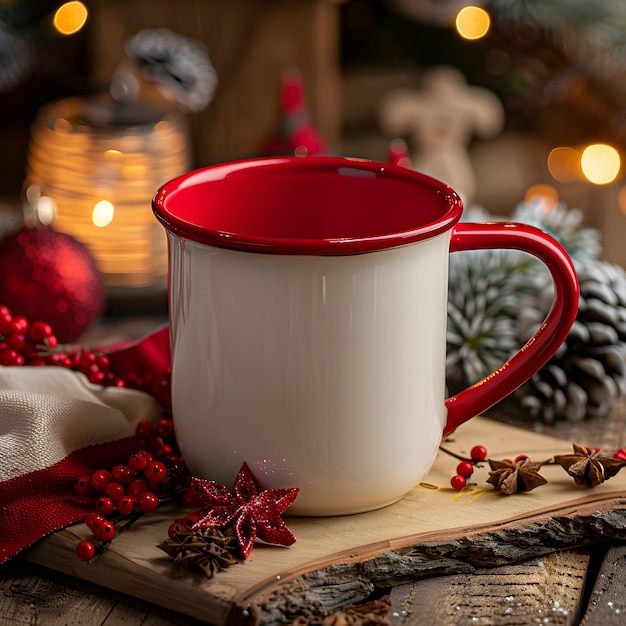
(42, 460)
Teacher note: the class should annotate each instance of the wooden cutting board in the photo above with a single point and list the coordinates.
(396, 543)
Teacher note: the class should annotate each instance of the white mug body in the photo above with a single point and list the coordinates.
(325, 373)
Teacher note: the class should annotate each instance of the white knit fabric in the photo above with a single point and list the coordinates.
(48, 412)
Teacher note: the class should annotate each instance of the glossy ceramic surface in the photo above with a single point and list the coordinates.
(301, 206)
(325, 373)
(308, 319)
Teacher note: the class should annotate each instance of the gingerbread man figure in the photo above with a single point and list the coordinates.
(438, 121)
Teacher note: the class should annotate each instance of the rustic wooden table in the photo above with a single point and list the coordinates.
(584, 585)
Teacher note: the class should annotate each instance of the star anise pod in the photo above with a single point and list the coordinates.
(252, 514)
(208, 549)
(509, 477)
(590, 466)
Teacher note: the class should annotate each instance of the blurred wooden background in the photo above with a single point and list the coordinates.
(250, 43)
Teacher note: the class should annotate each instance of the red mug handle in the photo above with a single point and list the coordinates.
(545, 342)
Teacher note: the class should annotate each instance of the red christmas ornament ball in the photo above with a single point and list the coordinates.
(51, 276)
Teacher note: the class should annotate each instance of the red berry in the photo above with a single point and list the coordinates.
(39, 331)
(155, 471)
(621, 454)
(96, 378)
(82, 486)
(520, 457)
(85, 360)
(478, 453)
(173, 529)
(93, 519)
(85, 550)
(144, 429)
(175, 460)
(104, 530)
(137, 462)
(465, 468)
(105, 506)
(19, 324)
(8, 356)
(100, 479)
(164, 428)
(126, 505)
(16, 340)
(155, 444)
(148, 502)
(122, 474)
(61, 359)
(5, 319)
(114, 491)
(137, 486)
(458, 482)
(102, 361)
(165, 450)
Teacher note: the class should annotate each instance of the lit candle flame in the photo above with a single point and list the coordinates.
(102, 214)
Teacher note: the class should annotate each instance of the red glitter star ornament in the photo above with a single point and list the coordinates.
(252, 514)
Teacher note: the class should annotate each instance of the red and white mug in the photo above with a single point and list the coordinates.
(308, 302)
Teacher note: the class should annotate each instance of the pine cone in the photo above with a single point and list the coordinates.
(180, 67)
(484, 290)
(588, 372)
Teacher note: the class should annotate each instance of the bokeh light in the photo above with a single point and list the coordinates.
(103, 213)
(564, 164)
(472, 22)
(70, 17)
(46, 210)
(546, 194)
(600, 163)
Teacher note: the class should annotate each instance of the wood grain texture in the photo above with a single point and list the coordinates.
(546, 590)
(607, 603)
(318, 593)
(31, 594)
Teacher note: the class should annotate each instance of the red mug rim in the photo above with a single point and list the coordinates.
(306, 206)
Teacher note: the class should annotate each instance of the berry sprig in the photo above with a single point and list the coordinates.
(125, 493)
(465, 468)
(587, 466)
(150, 477)
(23, 342)
(159, 439)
